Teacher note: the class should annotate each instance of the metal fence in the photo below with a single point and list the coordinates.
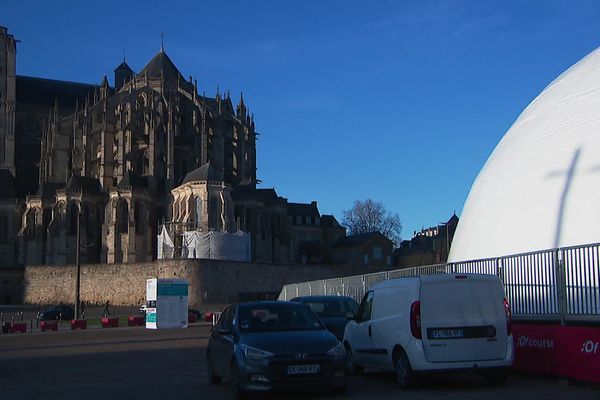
(552, 285)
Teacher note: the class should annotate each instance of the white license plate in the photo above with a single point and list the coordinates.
(303, 369)
(447, 333)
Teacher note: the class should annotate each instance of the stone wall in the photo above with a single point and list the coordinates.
(211, 281)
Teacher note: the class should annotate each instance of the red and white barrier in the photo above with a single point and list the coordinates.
(18, 327)
(49, 325)
(110, 322)
(78, 324)
(567, 351)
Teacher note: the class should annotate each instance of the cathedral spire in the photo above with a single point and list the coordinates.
(104, 88)
(162, 44)
(241, 108)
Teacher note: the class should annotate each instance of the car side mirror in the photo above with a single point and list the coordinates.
(224, 331)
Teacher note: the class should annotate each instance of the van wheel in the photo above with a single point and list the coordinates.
(404, 372)
(213, 378)
(353, 369)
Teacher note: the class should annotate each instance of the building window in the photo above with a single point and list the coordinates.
(309, 220)
(198, 212)
(73, 217)
(122, 216)
(298, 220)
(377, 252)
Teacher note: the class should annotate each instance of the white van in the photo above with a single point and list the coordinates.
(433, 323)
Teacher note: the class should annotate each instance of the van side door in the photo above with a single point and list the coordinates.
(362, 341)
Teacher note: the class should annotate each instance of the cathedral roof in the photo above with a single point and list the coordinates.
(124, 66)
(84, 184)
(131, 180)
(205, 172)
(42, 91)
(161, 63)
(48, 189)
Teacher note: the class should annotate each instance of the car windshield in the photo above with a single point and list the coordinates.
(277, 317)
(333, 308)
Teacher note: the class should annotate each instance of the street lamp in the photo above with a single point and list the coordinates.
(78, 264)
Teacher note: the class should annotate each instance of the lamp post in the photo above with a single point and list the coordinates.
(78, 266)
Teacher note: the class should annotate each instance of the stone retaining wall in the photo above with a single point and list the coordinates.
(211, 281)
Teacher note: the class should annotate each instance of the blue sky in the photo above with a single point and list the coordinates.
(399, 101)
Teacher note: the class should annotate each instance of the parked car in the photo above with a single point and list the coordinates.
(433, 323)
(334, 311)
(57, 312)
(262, 346)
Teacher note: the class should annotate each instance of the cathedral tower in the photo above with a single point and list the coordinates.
(8, 55)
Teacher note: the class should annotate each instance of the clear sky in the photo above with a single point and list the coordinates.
(399, 101)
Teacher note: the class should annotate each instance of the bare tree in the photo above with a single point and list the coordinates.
(371, 216)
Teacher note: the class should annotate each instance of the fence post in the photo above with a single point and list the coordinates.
(499, 269)
(561, 284)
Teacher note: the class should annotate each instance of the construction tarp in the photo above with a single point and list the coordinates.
(165, 245)
(214, 245)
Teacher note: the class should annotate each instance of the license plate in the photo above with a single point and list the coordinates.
(447, 333)
(303, 369)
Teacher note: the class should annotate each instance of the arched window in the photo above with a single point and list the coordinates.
(214, 214)
(122, 216)
(198, 211)
(235, 164)
(30, 221)
(72, 216)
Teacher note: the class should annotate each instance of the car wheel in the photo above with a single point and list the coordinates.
(238, 392)
(354, 369)
(404, 372)
(339, 390)
(213, 378)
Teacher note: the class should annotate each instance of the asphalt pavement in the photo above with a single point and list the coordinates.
(135, 363)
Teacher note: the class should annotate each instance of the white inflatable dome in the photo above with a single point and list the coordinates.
(540, 188)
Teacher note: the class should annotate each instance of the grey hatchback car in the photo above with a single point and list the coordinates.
(263, 346)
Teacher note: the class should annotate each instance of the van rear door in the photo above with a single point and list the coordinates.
(462, 318)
